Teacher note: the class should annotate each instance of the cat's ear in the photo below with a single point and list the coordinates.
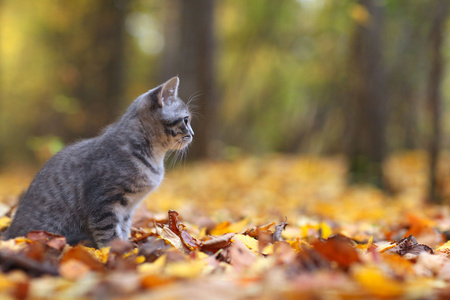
(169, 92)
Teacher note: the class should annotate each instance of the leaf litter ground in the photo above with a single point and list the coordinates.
(273, 227)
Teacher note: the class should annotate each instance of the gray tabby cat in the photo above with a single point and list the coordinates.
(89, 190)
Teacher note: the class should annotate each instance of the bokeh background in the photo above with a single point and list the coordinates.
(357, 78)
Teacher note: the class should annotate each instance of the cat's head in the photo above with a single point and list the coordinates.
(166, 116)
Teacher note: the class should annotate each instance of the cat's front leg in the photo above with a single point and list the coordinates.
(125, 227)
(103, 227)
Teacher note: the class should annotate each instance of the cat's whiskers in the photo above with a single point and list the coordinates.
(193, 108)
(174, 149)
(192, 98)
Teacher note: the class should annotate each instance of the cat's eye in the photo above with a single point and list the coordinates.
(186, 120)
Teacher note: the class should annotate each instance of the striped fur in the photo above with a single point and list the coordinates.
(89, 190)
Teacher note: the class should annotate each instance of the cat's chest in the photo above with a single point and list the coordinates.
(145, 186)
(148, 181)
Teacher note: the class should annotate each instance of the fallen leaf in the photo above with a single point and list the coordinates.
(80, 254)
(173, 222)
(337, 248)
(410, 247)
(253, 244)
(227, 227)
(376, 282)
(4, 222)
(215, 243)
(153, 249)
(239, 255)
(73, 269)
(278, 230)
(169, 236)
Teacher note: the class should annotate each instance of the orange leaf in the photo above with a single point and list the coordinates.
(80, 254)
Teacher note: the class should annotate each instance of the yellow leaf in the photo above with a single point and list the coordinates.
(4, 222)
(248, 241)
(298, 244)
(383, 247)
(366, 246)
(154, 267)
(200, 255)
(5, 282)
(140, 259)
(445, 249)
(375, 281)
(100, 254)
(185, 269)
(314, 229)
(132, 252)
(227, 227)
(253, 244)
(22, 240)
(325, 230)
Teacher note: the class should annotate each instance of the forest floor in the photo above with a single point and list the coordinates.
(254, 228)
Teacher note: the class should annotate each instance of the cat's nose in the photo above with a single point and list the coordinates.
(191, 132)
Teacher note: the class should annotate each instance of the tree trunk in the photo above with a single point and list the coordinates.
(195, 57)
(98, 65)
(434, 92)
(367, 145)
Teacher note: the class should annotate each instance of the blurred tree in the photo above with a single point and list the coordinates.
(191, 55)
(367, 145)
(437, 34)
(406, 33)
(92, 71)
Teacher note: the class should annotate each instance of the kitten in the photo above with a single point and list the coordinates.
(89, 190)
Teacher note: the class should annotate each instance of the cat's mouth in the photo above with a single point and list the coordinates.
(187, 139)
(184, 141)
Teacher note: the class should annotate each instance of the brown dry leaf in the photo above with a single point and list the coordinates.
(188, 241)
(278, 230)
(139, 235)
(54, 241)
(337, 248)
(57, 243)
(409, 246)
(173, 222)
(170, 237)
(153, 249)
(266, 229)
(213, 244)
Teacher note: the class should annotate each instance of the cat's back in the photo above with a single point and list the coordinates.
(52, 200)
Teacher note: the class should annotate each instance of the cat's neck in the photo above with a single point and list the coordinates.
(131, 133)
(158, 155)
